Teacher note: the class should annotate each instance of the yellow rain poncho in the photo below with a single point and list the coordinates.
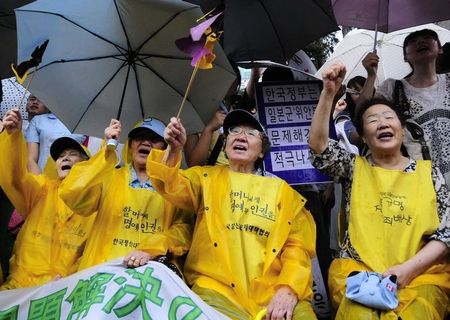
(252, 233)
(392, 213)
(52, 238)
(128, 219)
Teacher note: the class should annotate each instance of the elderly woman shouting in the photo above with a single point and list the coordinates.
(396, 210)
(253, 240)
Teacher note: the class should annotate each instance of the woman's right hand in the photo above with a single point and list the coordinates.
(370, 63)
(216, 120)
(333, 78)
(340, 106)
(175, 134)
(12, 121)
(113, 130)
(405, 273)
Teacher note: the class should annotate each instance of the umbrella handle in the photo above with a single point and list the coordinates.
(375, 39)
(26, 88)
(112, 143)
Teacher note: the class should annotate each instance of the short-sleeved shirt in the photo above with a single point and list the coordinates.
(44, 129)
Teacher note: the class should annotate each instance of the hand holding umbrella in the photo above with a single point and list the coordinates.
(370, 63)
(112, 134)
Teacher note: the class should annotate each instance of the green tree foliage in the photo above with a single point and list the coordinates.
(320, 50)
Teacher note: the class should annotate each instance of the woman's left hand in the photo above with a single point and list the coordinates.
(405, 273)
(136, 259)
(282, 304)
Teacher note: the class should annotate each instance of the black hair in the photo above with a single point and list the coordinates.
(415, 34)
(420, 33)
(443, 62)
(265, 148)
(358, 80)
(358, 121)
(277, 74)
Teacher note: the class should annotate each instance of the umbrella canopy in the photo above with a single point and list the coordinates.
(8, 35)
(12, 95)
(271, 30)
(117, 59)
(357, 43)
(389, 15)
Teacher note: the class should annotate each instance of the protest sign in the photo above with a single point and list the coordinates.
(109, 291)
(286, 109)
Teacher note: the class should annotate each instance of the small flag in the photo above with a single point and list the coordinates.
(21, 70)
(200, 44)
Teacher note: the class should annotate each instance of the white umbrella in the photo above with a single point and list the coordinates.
(12, 95)
(118, 59)
(357, 43)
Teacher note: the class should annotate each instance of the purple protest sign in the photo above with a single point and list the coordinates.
(285, 109)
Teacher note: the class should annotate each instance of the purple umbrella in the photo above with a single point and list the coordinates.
(389, 15)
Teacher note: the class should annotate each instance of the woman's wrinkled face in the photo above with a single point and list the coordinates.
(141, 146)
(66, 160)
(382, 129)
(243, 144)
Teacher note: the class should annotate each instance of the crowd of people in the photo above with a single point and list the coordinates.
(242, 238)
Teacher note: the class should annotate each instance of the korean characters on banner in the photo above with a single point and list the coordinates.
(286, 109)
(109, 291)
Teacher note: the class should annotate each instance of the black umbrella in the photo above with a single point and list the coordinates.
(118, 59)
(271, 30)
(8, 52)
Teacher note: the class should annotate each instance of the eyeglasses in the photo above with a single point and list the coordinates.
(235, 130)
(353, 91)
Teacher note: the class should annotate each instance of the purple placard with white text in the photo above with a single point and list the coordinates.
(286, 109)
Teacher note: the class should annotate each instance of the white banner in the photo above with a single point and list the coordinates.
(109, 291)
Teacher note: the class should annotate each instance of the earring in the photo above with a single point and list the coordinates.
(261, 155)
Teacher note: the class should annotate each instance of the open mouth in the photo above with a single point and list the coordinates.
(144, 152)
(239, 148)
(385, 136)
(66, 167)
(423, 49)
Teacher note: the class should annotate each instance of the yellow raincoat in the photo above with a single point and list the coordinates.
(52, 238)
(252, 233)
(128, 218)
(392, 213)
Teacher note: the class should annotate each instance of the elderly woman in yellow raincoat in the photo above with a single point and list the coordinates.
(52, 238)
(133, 220)
(396, 211)
(254, 239)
